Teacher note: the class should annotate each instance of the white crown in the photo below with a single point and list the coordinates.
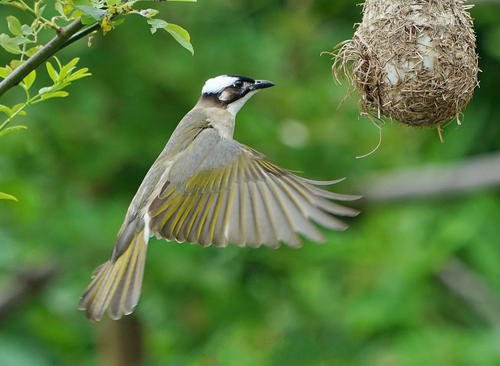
(218, 84)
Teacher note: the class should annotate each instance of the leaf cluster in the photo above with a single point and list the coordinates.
(23, 41)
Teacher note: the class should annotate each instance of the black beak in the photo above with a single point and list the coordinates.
(261, 84)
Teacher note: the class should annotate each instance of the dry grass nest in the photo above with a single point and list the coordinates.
(413, 61)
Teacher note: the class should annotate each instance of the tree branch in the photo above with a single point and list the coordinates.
(81, 34)
(26, 285)
(435, 180)
(472, 288)
(47, 51)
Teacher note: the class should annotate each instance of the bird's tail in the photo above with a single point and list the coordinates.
(116, 284)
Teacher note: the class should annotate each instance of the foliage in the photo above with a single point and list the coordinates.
(369, 296)
(25, 41)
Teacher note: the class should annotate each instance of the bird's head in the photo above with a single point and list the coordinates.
(231, 91)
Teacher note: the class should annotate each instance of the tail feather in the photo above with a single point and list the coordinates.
(116, 284)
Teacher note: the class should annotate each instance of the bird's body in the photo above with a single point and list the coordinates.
(207, 188)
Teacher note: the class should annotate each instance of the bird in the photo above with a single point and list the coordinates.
(207, 188)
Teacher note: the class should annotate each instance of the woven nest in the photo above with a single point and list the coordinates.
(413, 61)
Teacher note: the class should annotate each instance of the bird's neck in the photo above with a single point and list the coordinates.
(217, 116)
(223, 122)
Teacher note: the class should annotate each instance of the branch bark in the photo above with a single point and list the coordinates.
(473, 289)
(25, 285)
(80, 34)
(435, 180)
(47, 51)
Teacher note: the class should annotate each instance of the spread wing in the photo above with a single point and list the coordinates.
(220, 191)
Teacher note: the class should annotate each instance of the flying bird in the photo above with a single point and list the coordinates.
(207, 188)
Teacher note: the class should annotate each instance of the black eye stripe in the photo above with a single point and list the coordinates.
(243, 78)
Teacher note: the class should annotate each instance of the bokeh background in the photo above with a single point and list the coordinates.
(415, 281)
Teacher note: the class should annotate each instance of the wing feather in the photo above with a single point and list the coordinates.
(179, 217)
(312, 211)
(257, 215)
(220, 222)
(223, 192)
(209, 228)
(247, 220)
(279, 206)
(202, 225)
(299, 217)
(233, 219)
(222, 219)
(265, 221)
(192, 228)
(192, 201)
(282, 227)
(284, 224)
(332, 195)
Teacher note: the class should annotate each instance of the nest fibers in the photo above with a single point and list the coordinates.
(413, 61)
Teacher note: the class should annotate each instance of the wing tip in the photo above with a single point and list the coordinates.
(354, 197)
(322, 182)
(353, 213)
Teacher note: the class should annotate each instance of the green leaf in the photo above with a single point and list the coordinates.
(117, 22)
(83, 2)
(148, 13)
(4, 72)
(33, 50)
(86, 20)
(18, 107)
(180, 35)
(54, 94)
(45, 89)
(81, 73)
(52, 72)
(5, 196)
(9, 44)
(8, 130)
(8, 111)
(14, 64)
(59, 8)
(90, 11)
(157, 24)
(16, 4)
(26, 30)
(14, 25)
(39, 8)
(29, 79)
(183, 1)
(66, 69)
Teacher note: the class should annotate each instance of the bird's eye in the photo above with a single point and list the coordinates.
(238, 84)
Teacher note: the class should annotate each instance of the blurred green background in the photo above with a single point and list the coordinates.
(373, 295)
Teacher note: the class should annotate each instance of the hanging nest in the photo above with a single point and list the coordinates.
(413, 61)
